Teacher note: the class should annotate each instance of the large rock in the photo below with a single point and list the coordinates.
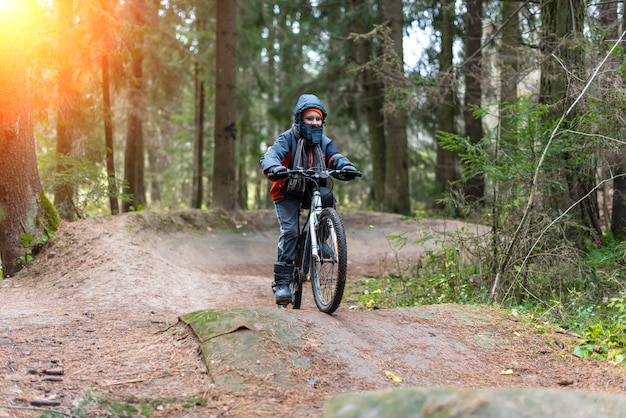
(487, 403)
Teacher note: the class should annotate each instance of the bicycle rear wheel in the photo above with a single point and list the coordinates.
(328, 274)
(296, 290)
(301, 270)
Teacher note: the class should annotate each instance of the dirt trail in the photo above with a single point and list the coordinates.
(102, 303)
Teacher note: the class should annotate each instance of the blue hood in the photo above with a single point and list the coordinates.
(304, 102)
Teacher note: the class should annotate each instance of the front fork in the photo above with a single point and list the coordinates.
(313, 224)
(316, 206)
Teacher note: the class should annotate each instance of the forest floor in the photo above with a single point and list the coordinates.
(92, 327)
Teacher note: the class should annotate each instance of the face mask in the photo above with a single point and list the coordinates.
(311, 133)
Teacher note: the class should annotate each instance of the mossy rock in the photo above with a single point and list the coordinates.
(247, 347)
(484, 403)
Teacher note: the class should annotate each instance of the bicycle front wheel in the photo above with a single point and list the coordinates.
(328, 274)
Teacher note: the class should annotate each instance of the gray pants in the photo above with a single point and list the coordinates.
(288, 214)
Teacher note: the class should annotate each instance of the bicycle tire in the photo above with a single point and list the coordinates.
(301, 268)
(328, 274)
(296, 290)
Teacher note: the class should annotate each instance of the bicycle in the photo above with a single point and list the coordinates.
(322, 240)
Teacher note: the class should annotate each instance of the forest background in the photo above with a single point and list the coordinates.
(511, 117)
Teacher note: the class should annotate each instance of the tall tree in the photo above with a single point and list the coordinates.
(108, 136)
(251, 45)
(26, 216)
(106, 17)
(67, 114)
(197, 190)
(224, 157)
(397, 196)
(612, 82)
(509, 52)
(372, 97)
(134, 164)
(562, 35)
(475, 186)
(445, 170)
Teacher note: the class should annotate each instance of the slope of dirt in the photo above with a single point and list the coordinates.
(95, 318)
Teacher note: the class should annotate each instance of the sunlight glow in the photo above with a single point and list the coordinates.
(14, 16)
(11, 8)
(11, 11)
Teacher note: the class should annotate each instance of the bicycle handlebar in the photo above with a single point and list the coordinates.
(313, 174)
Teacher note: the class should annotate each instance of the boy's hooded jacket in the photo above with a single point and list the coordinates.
(282, 152)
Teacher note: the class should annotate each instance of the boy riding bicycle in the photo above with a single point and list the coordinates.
(302, 146)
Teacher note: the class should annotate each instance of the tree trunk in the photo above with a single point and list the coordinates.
(66, 115)
(197, 190)
(155, 184)
(242, 175)
(618, 216)
(445, 169)
(134, 164)
(509, 61)
(198, 141)
(372, 102)
(224, 165)
(562, 26)
(475, 186)
(612, 80)
(108, 137)
(26, 217)
(509, 52)
(397, 194)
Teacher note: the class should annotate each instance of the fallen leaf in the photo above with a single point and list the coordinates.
(508, 371)
(392, 376)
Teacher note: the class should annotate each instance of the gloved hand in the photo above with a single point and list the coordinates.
(277, 172)
(349, 172)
